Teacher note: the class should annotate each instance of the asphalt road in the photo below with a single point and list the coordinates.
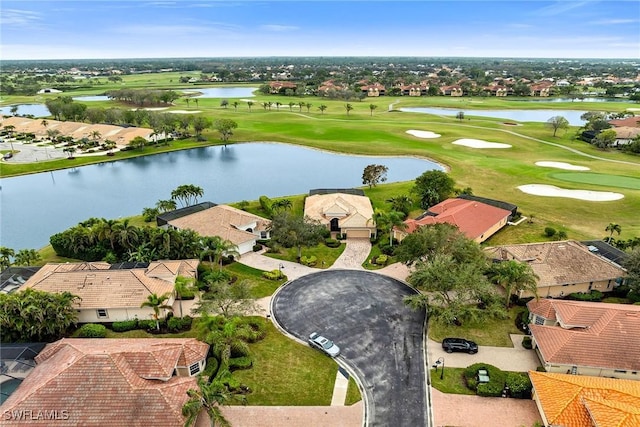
(381, 339)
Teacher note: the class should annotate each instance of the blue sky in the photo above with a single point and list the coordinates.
(243, 28)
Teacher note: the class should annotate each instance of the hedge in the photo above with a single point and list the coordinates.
(590, 296)
(177, 324)
(519, 385)
(212, 367)
(127, 325)
(244, 362)
(332, 243)
(93, 330)
(497, 379)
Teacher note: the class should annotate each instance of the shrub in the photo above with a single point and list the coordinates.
(382, 259)
(258, 328)
(526, 343)
(332, 243)
(243, 362)
(127, 325)
(549, 231)
(147, 324)
(590, 296)
(519, 384)
(93, 330)
(212, 367)
(273, 275)
(176, 324)
(309, 261)
(490, 389)
(496, 376)
(257, 247)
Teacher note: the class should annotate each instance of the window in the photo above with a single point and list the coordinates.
(263, 234)
(194, 369)
(102, 313)
(539, 320)
(619, 371)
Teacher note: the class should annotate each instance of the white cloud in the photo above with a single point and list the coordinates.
(614, 21)
(279, 28)
(560, 7)
(20, 18)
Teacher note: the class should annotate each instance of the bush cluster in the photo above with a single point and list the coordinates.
(309, 261)
(243, 362)
(93, 330)
(177, 324)
(496, 382)
(127, 325)
(526, 343)
(332, 243)
(212, 367)
(273, 275)
(590, 296)
(519, 385)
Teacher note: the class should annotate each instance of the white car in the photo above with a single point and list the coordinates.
(326, 345)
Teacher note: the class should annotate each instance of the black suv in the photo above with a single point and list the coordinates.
(459, 344)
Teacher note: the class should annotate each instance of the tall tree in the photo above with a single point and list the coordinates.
(225, 298)
(387, 220)
(208, 397)
(402, 203)
(432, 187)
(183, 287)
(225, 127)
(322, 108)
(557, 123)
(348, 107)
(514, 276)
(374, 174)
(27, 257)
(157, 303)
(295, 231)
(372, 107)
(187, 194)
(5, 257)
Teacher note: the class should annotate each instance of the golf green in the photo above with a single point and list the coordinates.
(619, 181)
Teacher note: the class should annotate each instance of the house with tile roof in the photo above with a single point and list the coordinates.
(111, 294)
(583, 401)
(280, 87)
(373, 89)
(586, 338)
(108, 382)
(625, 135)
(562, 267)
(349, 215)
(454, 90)
(241, 228)
(478, 221)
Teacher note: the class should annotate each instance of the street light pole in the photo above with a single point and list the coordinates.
(439, 362)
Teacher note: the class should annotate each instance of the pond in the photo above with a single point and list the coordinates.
(223, 92)
(34, 207)
(35, 110)
(590, 99)
(573, 116)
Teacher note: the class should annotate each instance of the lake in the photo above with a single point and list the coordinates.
(34, 207)
(35, 110)
(91, 98)
(573, 116)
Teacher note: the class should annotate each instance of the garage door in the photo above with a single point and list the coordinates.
(358, 234)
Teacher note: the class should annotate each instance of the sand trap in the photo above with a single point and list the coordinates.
(478, 143)
(423, 134)
(184, 112)
(552, 191)
(561, 165)
(151, 109)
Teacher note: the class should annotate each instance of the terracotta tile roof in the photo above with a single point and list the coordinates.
(627, 132)
(633, 121)
(223, 221)
(473, 218)
(542, 307)
(612, 329)
(559, 263)
(584, 401)
(100, 287)
(102, 382)
(351, 210)
(118, 134)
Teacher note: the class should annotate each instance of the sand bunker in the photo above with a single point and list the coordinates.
(184, 112)
(561, 165)
(552, 191)
(478, 143)
(423, 134)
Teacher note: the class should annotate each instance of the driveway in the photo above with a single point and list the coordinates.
(381, 339)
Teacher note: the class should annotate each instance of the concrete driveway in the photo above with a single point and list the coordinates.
(381, 339)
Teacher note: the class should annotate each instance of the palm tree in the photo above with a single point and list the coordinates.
(127, 234)
(5, 257)
(208, 397)
(182, 287)
(187, 100)
(514, 276)
(235, 105)
(322, 108)
(308, 105)
(372, 107)
(387, 220)
(44, 123)
(157, 303)
(216, 247)
(166, 205)
(291, 104)
(106, 229)
(69, 151)
(26, 257)
(95, 135)
(249, 104)
(611, 228)
(401, 204)
(348, 107)
(278, 104)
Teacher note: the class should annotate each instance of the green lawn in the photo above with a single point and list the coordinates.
(325, 255)
(600, 179)
(353, 393)
(260, 287)
(490, 332)
(452, 382)
(286, 372)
